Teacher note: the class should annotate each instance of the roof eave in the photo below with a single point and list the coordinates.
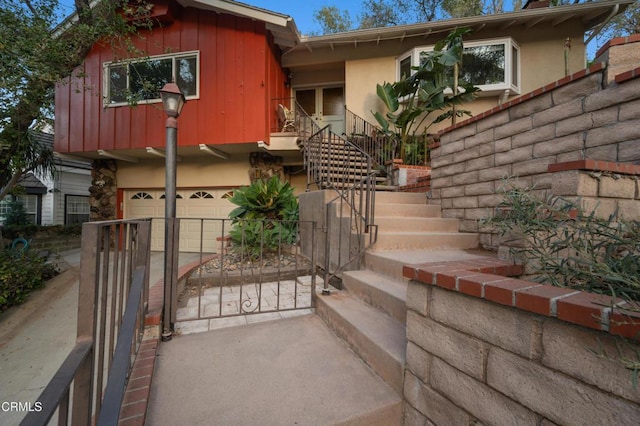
(530, 15)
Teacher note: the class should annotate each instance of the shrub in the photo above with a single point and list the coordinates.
(20, 273)
(568, 247)
(266, 217)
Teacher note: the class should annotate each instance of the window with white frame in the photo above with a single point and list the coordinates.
(140, 80)
(29, 203)
(76, 209)
(492, 65)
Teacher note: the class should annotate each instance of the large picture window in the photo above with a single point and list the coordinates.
(491, 65)
(138, 81)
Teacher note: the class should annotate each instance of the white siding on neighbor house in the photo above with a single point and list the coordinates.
(67, 182)
(47, 200)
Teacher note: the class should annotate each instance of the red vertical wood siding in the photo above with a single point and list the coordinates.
(239, 75)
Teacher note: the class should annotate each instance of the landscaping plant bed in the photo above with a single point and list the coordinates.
(237, 269)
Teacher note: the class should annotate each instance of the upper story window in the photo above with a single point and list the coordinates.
(492, 65)
(138, 81)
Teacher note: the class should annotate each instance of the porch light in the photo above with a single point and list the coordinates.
(172, 99)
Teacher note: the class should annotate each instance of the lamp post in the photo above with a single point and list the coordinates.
(172, 101)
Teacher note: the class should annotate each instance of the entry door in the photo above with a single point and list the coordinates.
(325, 105)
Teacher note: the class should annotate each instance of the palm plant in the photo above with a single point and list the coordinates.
(434, 86)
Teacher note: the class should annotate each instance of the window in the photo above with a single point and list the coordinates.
(140, 80)
(142, 196)
(178, 197)
(76, 209)
(491, 65)
(201, 194)
(29, 203)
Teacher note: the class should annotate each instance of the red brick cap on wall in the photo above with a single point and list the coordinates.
(488, 279)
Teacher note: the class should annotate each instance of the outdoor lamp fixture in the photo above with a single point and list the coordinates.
(172, 101)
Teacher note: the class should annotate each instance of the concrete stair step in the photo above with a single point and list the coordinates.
(401, 210)
(401, 198)
(390, 263)
(377, 338)
(417, 224)
(379, 291)
(425, 241)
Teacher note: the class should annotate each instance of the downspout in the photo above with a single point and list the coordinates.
(595, 32)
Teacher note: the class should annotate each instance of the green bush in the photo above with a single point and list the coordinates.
(266, 217)
(20, 273)
(568, 247)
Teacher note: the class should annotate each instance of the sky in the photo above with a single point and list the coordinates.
(302, 12)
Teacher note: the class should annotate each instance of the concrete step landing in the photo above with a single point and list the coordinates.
(377, 338)
(413, 240)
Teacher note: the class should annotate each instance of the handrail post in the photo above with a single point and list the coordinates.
(83, 397)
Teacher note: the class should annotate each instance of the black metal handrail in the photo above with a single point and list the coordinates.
(114, 273)
(337, 164)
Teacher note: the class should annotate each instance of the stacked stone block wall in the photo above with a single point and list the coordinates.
(576, 118)
(487, 349)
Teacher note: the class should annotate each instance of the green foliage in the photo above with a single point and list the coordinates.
(266, 217)
(433, 87)
(20, 274)
(569, 247)
(332, 20)
(16, 214)
(35, 56)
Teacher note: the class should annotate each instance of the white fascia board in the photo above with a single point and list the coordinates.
(240, 9)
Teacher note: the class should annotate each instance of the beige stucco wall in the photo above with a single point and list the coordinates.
(541, 62)
(194, 173)
(361, 78)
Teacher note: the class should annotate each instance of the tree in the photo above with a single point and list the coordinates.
(380, 13)
(35, 54)
(625, 23)
(431, 88)
(462, 8)
(333, 20)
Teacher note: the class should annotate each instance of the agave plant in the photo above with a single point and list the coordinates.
(266, 217)
(434, 86)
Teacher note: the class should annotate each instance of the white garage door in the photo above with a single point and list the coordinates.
(191, 204)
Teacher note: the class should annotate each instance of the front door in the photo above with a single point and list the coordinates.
(325, 105)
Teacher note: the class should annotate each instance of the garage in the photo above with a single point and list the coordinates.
(191, 205)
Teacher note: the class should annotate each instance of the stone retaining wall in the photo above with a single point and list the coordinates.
(570, 120)
(484, 348)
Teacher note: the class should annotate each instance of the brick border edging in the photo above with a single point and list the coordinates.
(596, 166)
(593, 69)
(156, 291)
(488, 279)
(133, 411)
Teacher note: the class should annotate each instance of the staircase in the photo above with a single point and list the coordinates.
(332, 162)
(369, 313)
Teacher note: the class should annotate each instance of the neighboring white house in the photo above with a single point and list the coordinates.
(61, 199)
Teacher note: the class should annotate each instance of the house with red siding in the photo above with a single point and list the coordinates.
(237, 63)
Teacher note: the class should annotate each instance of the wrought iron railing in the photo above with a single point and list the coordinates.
(112, 299)
(337, 164)
(245, 267)
(292, 118)
(381, 147)
(369, 138)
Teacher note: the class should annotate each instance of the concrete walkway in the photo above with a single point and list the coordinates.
(283, 372)
(37, 336)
